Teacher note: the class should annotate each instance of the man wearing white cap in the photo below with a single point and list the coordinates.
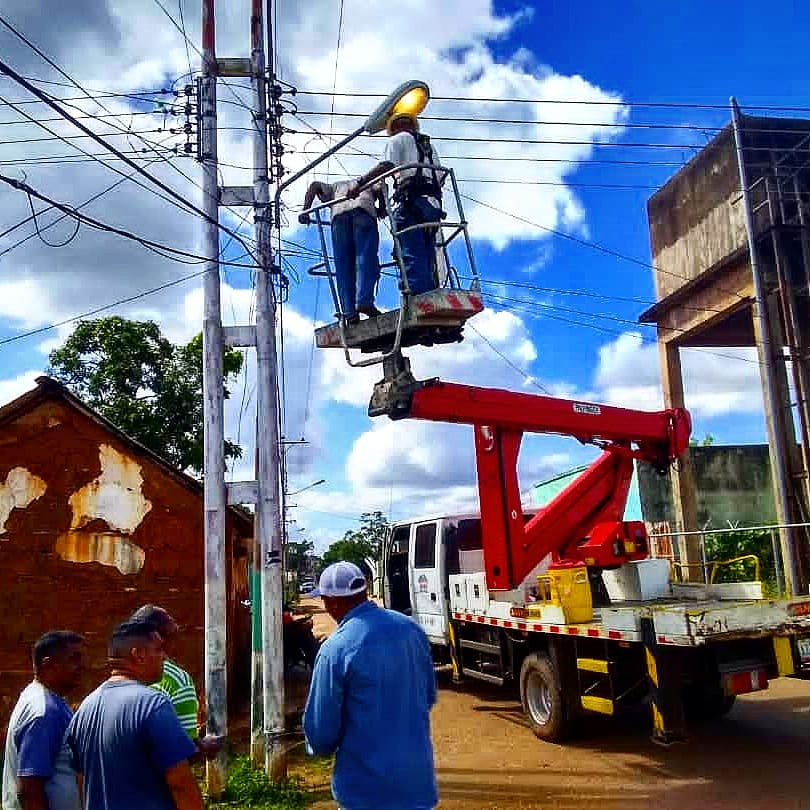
(370, 700)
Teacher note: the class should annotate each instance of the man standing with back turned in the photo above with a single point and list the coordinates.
(355, 243)
(370, 700)
(417, 198)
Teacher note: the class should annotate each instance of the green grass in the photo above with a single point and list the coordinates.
(250, 788)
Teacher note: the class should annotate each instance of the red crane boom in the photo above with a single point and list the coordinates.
(584, 523)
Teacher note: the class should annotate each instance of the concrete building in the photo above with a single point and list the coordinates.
(93, 525)
(733, 486)
(719, 286)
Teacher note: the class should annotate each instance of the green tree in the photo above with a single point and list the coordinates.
(349, 550)
(707, 441)
(143, 383)
(360, 544)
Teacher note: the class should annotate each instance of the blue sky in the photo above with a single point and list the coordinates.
(577, 345)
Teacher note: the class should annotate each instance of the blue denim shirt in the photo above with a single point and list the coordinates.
(370, 699)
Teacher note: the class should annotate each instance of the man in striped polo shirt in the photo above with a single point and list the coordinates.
(176, 683)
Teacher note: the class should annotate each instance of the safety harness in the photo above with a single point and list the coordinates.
(422, 183)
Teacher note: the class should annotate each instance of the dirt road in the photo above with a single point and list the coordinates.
(486, 757)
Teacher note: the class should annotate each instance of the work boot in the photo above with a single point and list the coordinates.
(371, 311)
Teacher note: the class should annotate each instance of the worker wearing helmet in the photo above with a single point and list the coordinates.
(417, 198)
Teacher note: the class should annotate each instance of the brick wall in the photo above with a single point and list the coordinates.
(41, 588)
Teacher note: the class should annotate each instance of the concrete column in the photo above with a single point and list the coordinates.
(682, 477)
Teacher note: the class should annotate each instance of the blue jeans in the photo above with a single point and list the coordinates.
(356, 244)
(418, 246)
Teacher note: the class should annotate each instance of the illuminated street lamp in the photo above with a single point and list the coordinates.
(409, 98)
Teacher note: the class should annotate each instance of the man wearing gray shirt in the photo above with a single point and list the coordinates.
(355, 244)
(37, 774)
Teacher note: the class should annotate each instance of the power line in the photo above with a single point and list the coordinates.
(559, 183)
(185, 36)
(98, 310)
(597, 327)
(159, 183)
(584, 102)
(587, 243)
(64, 114)
(523, 159)
(179, 255)
(530, 122)
(526, 376)
(560, 142)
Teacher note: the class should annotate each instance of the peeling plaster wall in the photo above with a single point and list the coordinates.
(19, 491)
(110, 530)
(116, 498)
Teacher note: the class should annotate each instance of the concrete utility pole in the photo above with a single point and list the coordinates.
(268, 506)
(267, 705)
(216, 714)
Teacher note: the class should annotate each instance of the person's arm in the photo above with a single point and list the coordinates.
(171, 749)
(186, 706)
(183, 787)
(31, 793)
(369, 177)
(38, 744)
(323, 191)
(323, 715)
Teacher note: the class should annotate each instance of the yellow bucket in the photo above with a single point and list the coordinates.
(569, 589)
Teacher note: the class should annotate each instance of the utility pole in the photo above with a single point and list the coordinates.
(268, 507)
(213, 418)
(267, 679)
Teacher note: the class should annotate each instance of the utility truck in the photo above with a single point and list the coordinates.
(564, 602)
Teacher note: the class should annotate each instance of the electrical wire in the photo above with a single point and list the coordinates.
(11, 73)
(176, 254)
(675, 105)
(527, 377)
(104, 308)
(185, 36)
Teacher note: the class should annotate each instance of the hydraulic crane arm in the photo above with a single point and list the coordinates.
(584, 522)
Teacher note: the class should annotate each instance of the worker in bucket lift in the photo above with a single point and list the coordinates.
(355, 243)
(417, 198)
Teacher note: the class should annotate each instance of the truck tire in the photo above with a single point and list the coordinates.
(542, 698)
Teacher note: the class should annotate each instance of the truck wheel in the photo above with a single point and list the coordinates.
(542, 698)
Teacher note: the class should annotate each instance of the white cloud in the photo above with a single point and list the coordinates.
(717, 382)
(12, 388)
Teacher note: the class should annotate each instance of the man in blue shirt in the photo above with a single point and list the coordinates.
(36, 772)
(370, 700)
(126, 739)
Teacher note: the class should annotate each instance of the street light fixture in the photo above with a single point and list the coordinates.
(308, 486)
(410, 97)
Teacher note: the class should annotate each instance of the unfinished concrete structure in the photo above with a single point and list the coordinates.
(732, 268)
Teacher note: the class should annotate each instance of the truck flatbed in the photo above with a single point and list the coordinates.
(677, 621)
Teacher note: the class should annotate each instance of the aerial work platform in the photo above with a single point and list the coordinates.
(428, 319)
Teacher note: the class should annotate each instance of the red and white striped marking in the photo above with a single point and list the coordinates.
(585, 631)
